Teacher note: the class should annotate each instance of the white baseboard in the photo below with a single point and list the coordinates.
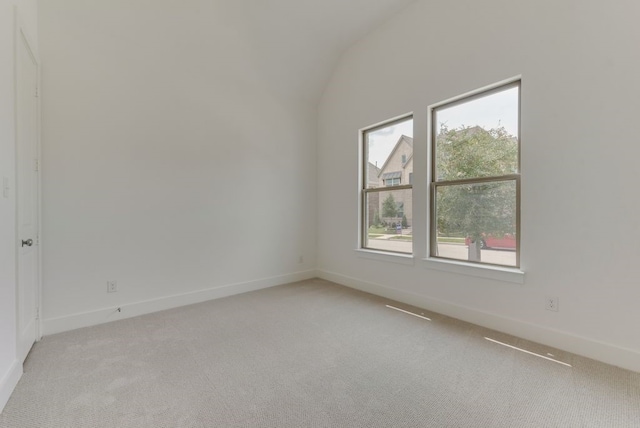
(8, 382)
(604, 352)
(128, 310)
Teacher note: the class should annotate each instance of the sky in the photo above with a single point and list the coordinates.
(495, 110)
(382, 141)
(499, 109)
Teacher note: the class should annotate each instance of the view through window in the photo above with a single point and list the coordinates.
(475, 183)
(387, 187)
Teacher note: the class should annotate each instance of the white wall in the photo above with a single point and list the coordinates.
(169, 163)
(580, 207)
(10, 369)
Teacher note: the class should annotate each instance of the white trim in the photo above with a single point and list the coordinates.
(128, 310)
(359, 196)
(498, 273)
(475, 92)
(601, 351)
(39, 296)
(21, 32)
(386, 121)
(384, 256)
(8, 382)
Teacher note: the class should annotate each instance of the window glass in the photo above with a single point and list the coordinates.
(476, 178)
(478, 138)
(387, 214)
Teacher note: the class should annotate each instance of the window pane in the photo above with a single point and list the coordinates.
(389, 155)
(477, 222)
(388, 221)
(478, 138)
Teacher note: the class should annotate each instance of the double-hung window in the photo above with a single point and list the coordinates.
(386, 190)
(475, 178)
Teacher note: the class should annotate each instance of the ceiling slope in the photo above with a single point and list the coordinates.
(298, 42)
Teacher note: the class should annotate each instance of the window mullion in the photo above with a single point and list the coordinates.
(477, 180)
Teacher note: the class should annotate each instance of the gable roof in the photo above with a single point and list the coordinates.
(373, 172)
(403, 138)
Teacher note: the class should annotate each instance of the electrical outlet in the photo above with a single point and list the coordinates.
(551, 304)
(300, 259)
(112, 286)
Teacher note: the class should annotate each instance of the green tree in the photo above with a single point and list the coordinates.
(476, 209)
(376, 219)
(405, 224)
(389, 207)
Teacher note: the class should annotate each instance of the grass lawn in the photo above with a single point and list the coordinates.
(374, 235)
(451, 240)
(374, 229)
(402, 238)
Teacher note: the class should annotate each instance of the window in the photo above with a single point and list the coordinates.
(475, 178)
(392, 182)
(392, 178)
(387, 151)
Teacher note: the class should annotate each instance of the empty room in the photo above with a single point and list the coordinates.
(292, 213)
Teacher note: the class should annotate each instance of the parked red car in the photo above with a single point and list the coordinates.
(507, 242)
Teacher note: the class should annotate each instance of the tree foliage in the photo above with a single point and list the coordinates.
(389, 207)
(376, 219)
(478, 209)
(473, 152)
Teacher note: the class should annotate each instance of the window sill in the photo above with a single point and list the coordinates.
(384, 256)
(499, 273)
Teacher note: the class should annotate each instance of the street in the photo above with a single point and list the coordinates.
(451, 251)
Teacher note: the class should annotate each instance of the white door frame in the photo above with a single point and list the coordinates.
(21, 32)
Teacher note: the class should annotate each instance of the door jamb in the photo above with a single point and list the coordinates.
(21, 31)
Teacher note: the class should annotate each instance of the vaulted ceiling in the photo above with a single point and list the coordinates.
(300, 41)
(291, 45)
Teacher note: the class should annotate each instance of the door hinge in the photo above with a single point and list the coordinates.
(36, 165)
(37, 240)
(37, 313)
(37, 93)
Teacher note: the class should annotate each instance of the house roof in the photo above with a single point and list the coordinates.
(388, 175)
(405, 139)
(373, 172)
(408, 159)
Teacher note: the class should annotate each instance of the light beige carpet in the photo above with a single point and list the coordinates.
(311, 354)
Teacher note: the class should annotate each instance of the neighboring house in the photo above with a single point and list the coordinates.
(372, 176)
(374, 198)
(397, 170)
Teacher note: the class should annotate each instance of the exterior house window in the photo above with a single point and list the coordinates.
(386, 198)
(392, 182)
(475, 178)
(392, 178)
